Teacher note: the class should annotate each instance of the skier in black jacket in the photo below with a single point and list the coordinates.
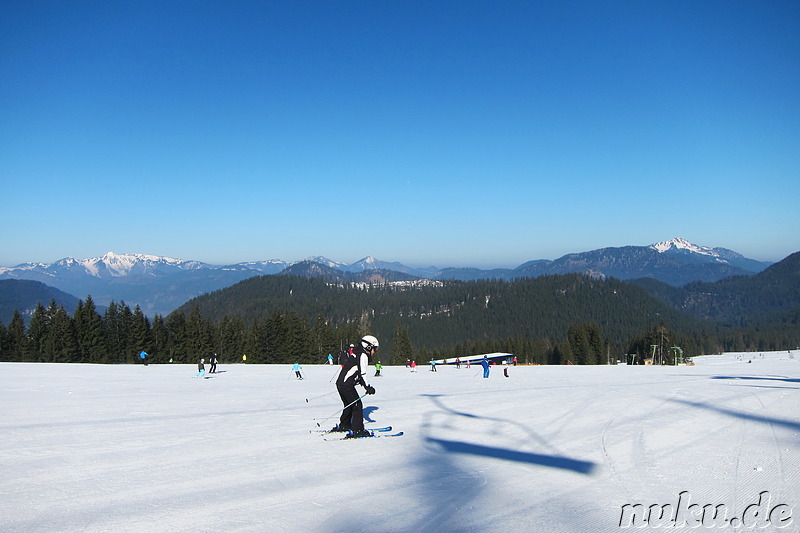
(354, 372)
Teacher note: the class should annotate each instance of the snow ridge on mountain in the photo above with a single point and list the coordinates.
(119, 265)
(682, 244)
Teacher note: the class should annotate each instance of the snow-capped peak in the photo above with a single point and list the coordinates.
(122, 264)
(682, 244)
(325, 261)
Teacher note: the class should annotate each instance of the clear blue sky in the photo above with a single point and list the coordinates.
(431, 133)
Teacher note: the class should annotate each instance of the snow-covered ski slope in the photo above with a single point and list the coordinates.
(549, 449)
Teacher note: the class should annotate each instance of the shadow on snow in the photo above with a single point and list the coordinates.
(760, 378)
(790, 424)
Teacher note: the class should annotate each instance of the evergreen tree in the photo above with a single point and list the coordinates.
(62, 338)
(50, 341)
(37, 333)
(578, 340)
(160, 339)
(116, 330)
(596, 344)
(90, 332)
(324, 339)
(402, 348)
(5, 343)
(231, 339)
(140, 333)
(256, 343)
(17, 342)
(177, 348)
(298, 338)
(199, 336)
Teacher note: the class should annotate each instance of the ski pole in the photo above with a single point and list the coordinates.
(340, 410)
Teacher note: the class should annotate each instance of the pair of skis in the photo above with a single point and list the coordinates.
(373, 433)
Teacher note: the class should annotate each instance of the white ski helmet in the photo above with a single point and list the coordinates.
(369, 342)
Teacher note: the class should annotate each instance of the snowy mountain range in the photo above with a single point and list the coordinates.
(161, 284)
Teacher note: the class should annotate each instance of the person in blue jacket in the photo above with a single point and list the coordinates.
(143, 357)
(485, 365)
(296, 367)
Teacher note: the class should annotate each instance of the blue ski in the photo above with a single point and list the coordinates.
(372, 436)
(381, 430)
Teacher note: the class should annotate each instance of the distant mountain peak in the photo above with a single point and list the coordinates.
(368, 262)
(679, 243)
(323, 261)
(118, 265)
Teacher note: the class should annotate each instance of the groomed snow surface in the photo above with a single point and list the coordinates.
(548, 449)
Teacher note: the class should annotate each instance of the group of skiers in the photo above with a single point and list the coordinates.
(201, 367)
(354, 362)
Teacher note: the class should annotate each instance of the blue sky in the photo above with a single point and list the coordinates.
(430, 133)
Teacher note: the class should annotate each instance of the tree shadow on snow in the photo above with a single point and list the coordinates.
(554, 460)
(790, 424)
(767, 378)
(452, 491)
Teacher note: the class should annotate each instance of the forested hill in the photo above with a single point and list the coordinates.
(738, 313)
(445, 314)
(767, 299)
(24, 295)
(552, 319)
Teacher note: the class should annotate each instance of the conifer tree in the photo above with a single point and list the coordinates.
(140, 334)
(17, 349)
(402, 348)
(231, 339)
(199, 336)
(37, 332)
(90, 332)
(176, 337)
(160, 339)
(62, 339)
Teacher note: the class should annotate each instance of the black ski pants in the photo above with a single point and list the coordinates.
(353, 415)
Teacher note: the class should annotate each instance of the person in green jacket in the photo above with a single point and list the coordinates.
(378, 367)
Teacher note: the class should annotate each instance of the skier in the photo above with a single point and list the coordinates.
(433, 365)
(213, 361)
(413, 366)
(330, 359)
(485, 365)
(458, 362)
(346, 354)
(296, 367)
(201, 369)
(378, 368)
(353, 372)
(505, 369)
(143, 356)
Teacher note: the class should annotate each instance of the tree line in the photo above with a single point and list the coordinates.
(119, 334)
(276, 319)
